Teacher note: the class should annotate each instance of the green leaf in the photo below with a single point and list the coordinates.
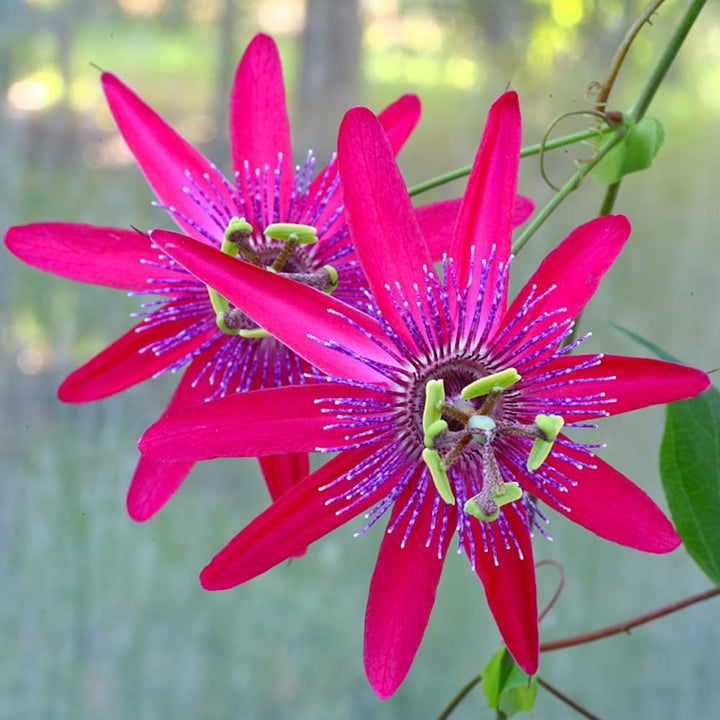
(690, 471)
(506, 686)
(634, 152)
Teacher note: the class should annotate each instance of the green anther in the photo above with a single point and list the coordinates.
(237, 225)
(333, 278)
(219, 303)
(481, 422)
(510, 492)
(432, 431)
(220, 318)
(236, 233)
(434, 397)
(252, 333)
(496, 382)
(550, 426)
(439, 474)
(286, 231)
(238, 229)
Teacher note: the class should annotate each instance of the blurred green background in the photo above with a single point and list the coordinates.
(104, 618)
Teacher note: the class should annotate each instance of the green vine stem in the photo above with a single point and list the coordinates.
(625, 44)
(528, 151)
(464, 690)
(627, 625)
(634, 115)
(622, 627)
(567, 700)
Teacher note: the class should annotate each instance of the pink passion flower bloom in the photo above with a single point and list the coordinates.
(446, 405)
(179, 326)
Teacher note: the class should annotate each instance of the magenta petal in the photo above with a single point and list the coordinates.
(619, 384)
(400, 119)
(486, 215)
(507, 573)
(402, 594)
(298, 518)
(102, 255)
(259, 126)
(281, 472)
(165, 158)
(126, 362)
(288, 310)
(574, 269)
(385, 231)
(605, 502)
(156, 481)
(437, 220)
(524, 207)
(153, 484)
(262, 422)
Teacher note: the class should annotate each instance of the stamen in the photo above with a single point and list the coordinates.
(292, 234)
(287, 231)
(549, 426)
(438, 473)
(496, 382)
(487, 508)
(434, 397)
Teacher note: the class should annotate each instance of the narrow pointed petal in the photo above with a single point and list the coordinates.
(398, 119)
(605, 502)
(164, 157)
(281, 472)
(107, 256)
(262, 422)
(619, 384)
(288, 310)
(259, 125)
(574, 269)
(486, 215)
(126, 362)
(156, 481)
(402, 594)
(437, 220)
(524, 207)
(508, 576)
(295, 520)
(387, 238)
(153, 484)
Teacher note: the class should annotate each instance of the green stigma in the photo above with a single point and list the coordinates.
(549, 426)
(333, 279)
(495, 383)
(481, 422)
(487, 508)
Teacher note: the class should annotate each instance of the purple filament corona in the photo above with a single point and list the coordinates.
(389, 425)
(236, 363)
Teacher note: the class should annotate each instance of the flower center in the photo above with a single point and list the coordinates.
(237, 243)
(457, 424)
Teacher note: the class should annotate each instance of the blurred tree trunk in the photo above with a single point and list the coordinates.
(329, 74)
(228, 21)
